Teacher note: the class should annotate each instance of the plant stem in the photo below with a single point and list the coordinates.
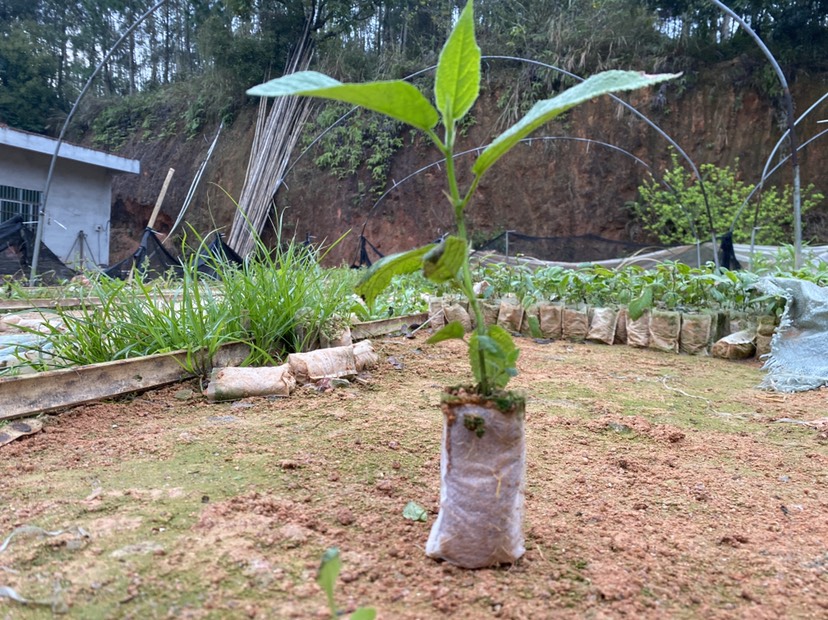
(459, 204)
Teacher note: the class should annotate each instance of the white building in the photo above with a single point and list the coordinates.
(76, 224)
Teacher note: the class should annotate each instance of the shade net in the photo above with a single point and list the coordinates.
(574, 249)
(17, 243)
(150, 260)
(216, 253)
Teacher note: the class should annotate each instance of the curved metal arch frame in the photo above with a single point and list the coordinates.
(629, 107)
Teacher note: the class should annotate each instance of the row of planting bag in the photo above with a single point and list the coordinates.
(730, 336)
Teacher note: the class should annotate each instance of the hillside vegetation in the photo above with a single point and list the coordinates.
(162, 94)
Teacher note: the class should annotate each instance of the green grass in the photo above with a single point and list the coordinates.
(278, 302)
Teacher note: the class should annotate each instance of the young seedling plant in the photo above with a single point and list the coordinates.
(492, 352)
(328, 572)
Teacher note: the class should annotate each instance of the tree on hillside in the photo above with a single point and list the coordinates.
(28, 97)
(56, 44)
(796, 30)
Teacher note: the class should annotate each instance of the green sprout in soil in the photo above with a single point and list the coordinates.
(328, 573)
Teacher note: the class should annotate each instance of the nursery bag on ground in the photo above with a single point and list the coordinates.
(482, 468)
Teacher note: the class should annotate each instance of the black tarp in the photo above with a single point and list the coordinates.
(17, 242)
(727, 254)
(151, 259)
(217, 252)
(364, 260)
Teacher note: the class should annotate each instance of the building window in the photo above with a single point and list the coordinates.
(18, 201)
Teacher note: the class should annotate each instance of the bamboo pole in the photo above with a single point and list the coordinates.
(277, 132)
(194, 185)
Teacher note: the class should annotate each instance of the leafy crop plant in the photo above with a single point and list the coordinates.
(483, 455)
(492, 352)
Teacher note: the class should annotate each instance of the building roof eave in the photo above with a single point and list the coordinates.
(45, 145)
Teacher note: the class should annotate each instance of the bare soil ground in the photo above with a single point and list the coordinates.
(658, 486)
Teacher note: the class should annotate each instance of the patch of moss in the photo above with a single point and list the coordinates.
(475, 424)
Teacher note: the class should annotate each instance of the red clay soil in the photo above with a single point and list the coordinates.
(658, 486)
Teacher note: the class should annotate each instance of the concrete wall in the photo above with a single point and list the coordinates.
(80, 199)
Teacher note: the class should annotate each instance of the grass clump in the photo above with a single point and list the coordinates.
(277, 302)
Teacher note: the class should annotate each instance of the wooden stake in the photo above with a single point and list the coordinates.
(158, 202)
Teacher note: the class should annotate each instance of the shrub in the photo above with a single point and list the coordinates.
(672, 215)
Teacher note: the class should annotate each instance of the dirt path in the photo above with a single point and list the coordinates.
(658, 486)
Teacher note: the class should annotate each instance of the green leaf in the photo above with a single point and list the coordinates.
(380, 273)
(457, 83)
(364, 613)
(500, 355)
(442, 263)
(453, 330)
(546, 110)
(488, 345)
(534, 327)
(415, 512)
(503, 338)
(328, 572)
(395, 98)
(637, 307)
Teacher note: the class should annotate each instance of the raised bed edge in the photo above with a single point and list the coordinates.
(58, 389)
